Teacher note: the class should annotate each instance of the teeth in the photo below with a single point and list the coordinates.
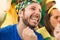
(34, 18)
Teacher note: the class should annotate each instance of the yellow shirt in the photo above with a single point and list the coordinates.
(44, 33)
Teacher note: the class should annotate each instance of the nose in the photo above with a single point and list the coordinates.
(37, 12)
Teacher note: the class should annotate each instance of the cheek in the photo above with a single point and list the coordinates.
(53, 22)
(26, 16)
(27, 12)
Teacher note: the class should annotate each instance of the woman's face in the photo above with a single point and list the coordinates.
(55, 17)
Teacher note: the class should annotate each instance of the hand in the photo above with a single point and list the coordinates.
(57, 32)
(28, 34)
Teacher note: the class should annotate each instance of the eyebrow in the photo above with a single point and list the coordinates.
(35, 7)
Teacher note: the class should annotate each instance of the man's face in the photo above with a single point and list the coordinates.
(32, 15)
(55, 17)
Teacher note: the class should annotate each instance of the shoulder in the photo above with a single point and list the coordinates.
(7, 29)
(7, 33)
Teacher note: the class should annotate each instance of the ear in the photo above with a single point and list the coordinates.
(20, 14)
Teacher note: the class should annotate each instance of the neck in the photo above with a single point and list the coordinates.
(21, 27)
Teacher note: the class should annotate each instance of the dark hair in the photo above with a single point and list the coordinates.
(48, 24)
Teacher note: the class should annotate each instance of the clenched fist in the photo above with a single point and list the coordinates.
(28, 34)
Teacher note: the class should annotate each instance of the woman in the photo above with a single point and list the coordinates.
(43, 30)
(52, 22)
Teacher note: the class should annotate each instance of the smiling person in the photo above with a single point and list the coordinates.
(43, 30)
(29, 15)
(52, 22)
(55, 21)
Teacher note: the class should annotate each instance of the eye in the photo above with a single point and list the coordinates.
(33, 8)
(56, 17)
(57, 32)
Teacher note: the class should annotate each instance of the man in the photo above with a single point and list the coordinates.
(29, 17)
(43, 30)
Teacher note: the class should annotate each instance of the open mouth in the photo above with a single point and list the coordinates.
(34, 19)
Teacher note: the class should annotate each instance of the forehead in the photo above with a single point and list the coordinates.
(34, 5)
(55, 12)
